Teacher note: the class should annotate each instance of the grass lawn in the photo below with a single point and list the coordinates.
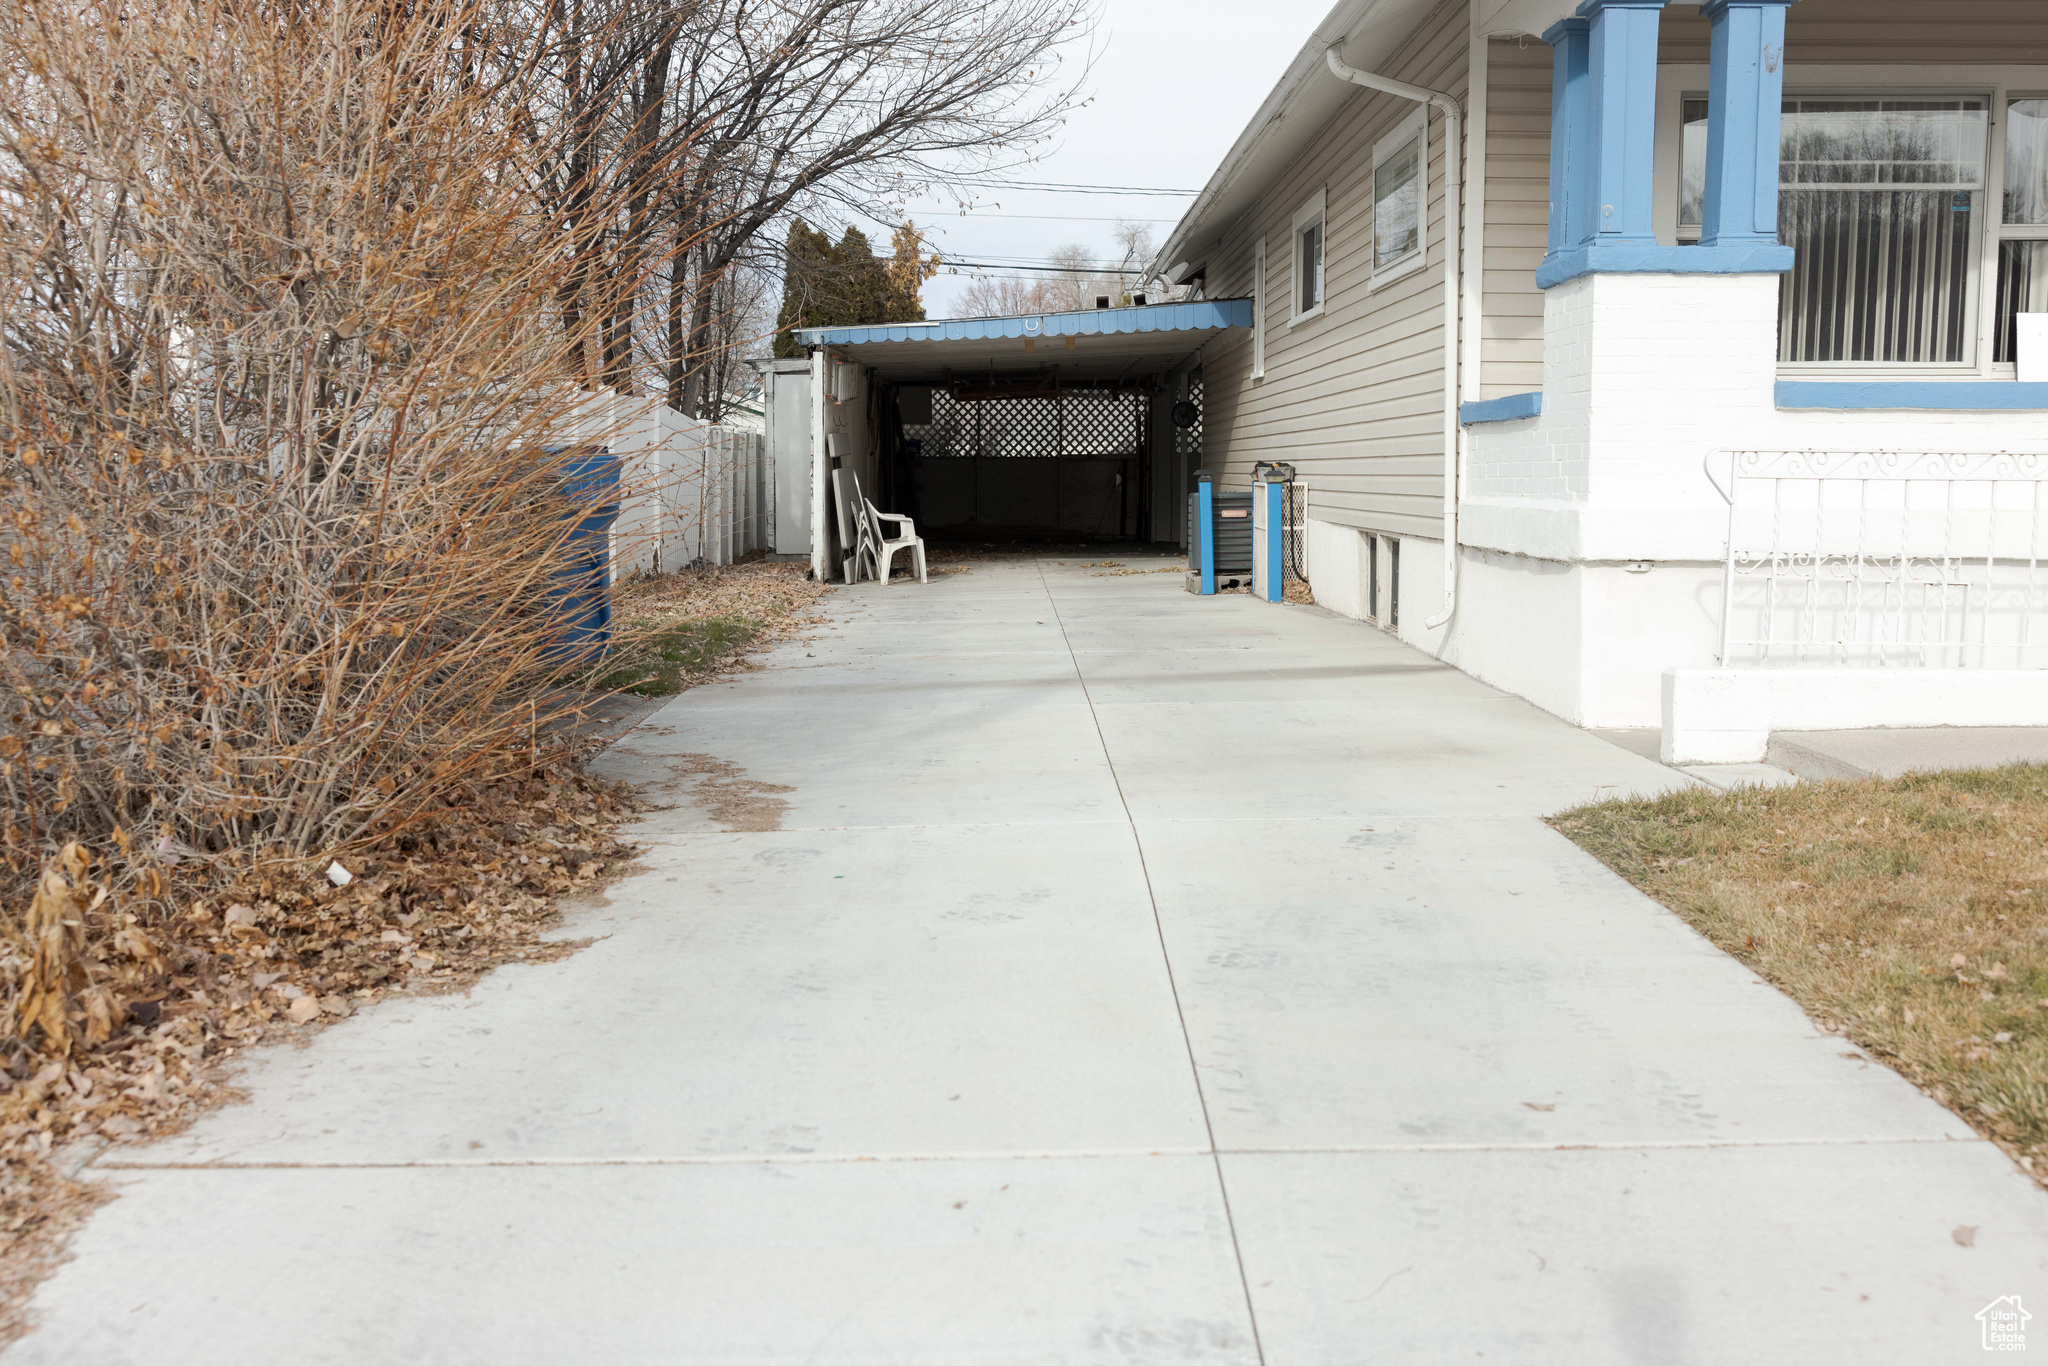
(663, 661)
(676, 630)
(1909, 914)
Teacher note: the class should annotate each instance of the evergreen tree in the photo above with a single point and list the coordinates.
(806, 262)
(909, 268)
(846, 285)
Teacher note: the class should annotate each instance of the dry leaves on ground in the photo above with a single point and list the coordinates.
(1910, 915)
(677, 630)
(966, 552)
(780, 595)
(1175, 568)
(134, 1029)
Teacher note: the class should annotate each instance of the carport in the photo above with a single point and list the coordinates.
(1066, 426)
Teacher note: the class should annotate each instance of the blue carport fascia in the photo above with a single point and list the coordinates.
(1202, 316)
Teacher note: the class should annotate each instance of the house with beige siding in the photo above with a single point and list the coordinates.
(1665, 364)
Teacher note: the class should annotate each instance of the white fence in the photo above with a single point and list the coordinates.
(1883, 558)
(692, 493)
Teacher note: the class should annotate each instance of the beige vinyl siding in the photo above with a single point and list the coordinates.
(1353, 398)
(1818, 32)
(1961, 32)
(1517, 215)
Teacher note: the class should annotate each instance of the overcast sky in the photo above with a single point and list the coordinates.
(1174, 83)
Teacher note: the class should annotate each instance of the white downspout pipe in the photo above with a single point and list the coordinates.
(821, 469)
(1453, 187)
(1478, 81)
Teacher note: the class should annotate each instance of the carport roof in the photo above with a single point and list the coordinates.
(1101, 343)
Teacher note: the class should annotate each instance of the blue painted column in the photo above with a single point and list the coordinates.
(1603, 139)
(1569, 84)
(1745, 100)
(1621, 121)
(1603, 143)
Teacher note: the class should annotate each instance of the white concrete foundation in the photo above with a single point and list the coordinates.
(1337, 569)
(1726, 716)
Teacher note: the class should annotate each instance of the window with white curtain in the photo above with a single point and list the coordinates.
(2023, 223)
(1881, 201)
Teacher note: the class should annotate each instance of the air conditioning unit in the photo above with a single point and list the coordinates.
(1224, 541)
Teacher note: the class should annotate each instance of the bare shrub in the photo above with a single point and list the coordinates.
(286, 408)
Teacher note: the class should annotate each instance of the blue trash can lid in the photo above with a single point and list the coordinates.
(589, 478)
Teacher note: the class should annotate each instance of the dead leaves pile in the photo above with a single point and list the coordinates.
(967, 552)
(60, 968)
(778, 595)
(119, 1030)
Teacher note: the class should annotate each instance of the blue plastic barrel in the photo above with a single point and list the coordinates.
(580, 590)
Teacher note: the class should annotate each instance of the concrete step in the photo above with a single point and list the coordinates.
(1727, 777)
(1855, 754)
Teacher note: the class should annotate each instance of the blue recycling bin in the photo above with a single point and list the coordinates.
(580, 589)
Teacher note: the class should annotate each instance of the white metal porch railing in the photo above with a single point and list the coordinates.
(1884, 558)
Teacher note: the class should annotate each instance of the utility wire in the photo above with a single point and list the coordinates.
(1065, 187)
(1051, 270)
(1059, 217)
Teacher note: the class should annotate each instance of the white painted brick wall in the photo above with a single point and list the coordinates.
(1644, 377)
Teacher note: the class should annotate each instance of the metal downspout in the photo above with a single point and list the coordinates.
(1453, 187)
(1478, 80)
(821, 469)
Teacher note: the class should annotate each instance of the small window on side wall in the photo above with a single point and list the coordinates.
(1308, 260)
(1398, 184)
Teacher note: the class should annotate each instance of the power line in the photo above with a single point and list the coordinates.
(1061, 217)
(1050, 270)
(1065, 187)
(1007, 258)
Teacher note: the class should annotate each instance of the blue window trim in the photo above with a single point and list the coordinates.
(1949, 396)
(1509, 409)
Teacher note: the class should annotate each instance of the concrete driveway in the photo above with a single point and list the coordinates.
(1100, 975)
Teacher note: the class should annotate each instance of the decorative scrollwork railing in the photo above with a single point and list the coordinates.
(1884, 558)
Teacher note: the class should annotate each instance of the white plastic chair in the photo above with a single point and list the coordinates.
(883, 547)
(857, 551)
